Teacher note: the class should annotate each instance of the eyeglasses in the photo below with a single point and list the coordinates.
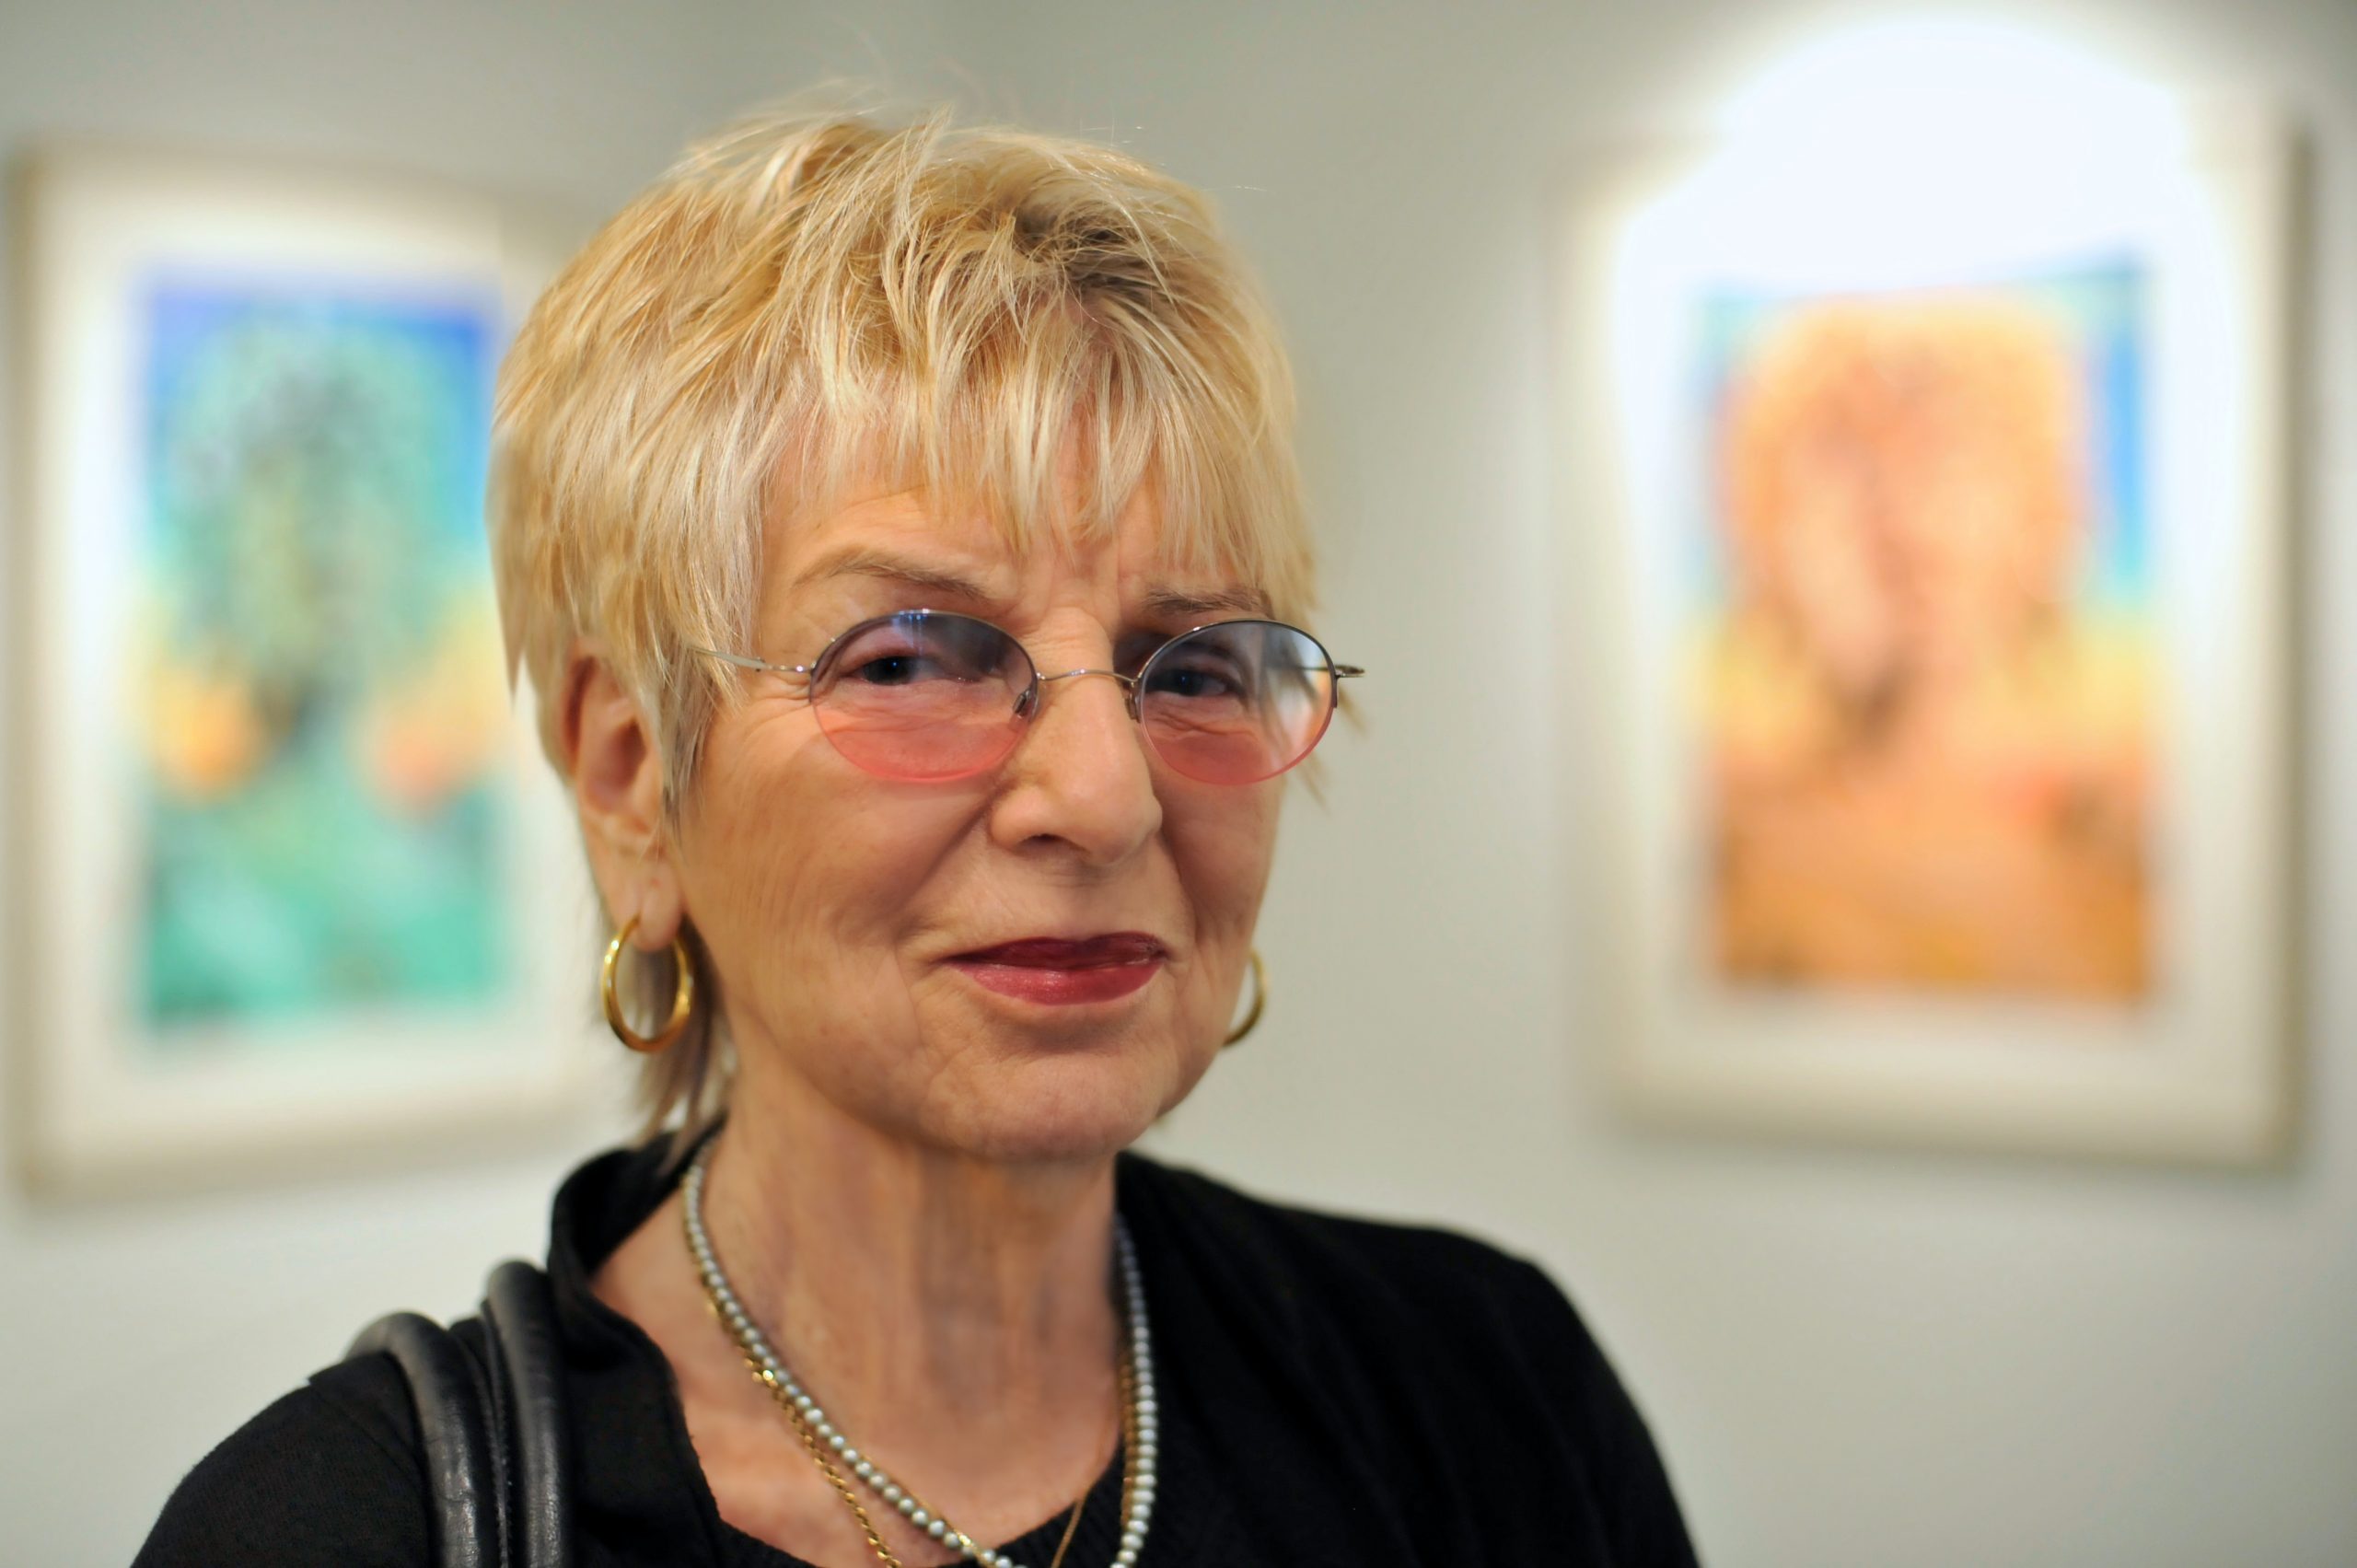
(926, 696)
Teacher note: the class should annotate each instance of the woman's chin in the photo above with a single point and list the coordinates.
(1067, 1134)
(1066, 1112)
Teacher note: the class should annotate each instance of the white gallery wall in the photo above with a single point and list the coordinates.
(1850, 1356)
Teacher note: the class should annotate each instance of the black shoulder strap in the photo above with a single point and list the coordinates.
(451, 1426)
(498, 1460)
(520, 1312)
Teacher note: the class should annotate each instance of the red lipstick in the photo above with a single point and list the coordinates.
(1061, 973)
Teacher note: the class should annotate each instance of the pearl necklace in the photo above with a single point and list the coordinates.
(1141, 1425)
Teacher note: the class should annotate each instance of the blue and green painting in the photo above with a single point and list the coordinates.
(315, 696)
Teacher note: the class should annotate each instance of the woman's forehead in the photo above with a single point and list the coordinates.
(903, 536)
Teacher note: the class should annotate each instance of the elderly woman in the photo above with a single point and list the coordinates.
(900, 527)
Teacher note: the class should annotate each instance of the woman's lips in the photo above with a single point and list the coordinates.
(1061, 972)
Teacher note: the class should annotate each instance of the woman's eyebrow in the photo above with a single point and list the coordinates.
(1212, 601)
(868, 562)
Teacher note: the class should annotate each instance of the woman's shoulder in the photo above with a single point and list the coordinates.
(1403, 1304)
(1444, 1364)
(326, 1475)
(1410, 1267)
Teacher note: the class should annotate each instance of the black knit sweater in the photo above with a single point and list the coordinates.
(1332, 1390)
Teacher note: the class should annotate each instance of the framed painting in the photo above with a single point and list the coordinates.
(286, 882)
(1930, 541)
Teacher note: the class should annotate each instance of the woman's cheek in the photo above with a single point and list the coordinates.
(1224, 857)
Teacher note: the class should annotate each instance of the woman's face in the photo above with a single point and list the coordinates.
(842, 912)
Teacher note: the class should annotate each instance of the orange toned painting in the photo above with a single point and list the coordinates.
(1924, 665)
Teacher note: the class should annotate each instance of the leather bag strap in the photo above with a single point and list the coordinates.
(499, 1453)
(519, 1312)
(451, 1423)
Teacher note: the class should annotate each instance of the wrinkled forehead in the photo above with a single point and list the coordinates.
(961, 548)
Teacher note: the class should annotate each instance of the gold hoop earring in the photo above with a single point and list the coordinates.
(1260, 1000)
(683, 994)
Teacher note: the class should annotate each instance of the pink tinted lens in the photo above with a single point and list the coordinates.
(1236, 703)
(922, 696)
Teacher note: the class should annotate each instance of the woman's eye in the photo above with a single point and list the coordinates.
(911, 668)
(890, 670)
(1199, 679)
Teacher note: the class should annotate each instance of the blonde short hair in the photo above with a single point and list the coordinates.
(814, 300)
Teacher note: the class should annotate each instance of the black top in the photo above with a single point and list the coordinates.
(1333, 1391)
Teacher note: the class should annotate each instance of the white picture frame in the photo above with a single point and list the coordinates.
(2199, 1066)
(114, 1089)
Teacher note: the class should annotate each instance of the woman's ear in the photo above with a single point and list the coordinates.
(617, 773)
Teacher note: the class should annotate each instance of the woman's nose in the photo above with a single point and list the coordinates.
(1080, 776)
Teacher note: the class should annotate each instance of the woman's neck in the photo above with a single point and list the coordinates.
(900, 1283)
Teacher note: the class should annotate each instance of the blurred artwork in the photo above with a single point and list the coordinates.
(1925, 642)
(317, 705)
(296, 890)
(1924, 528)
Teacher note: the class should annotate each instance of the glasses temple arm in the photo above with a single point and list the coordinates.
(745, 661)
